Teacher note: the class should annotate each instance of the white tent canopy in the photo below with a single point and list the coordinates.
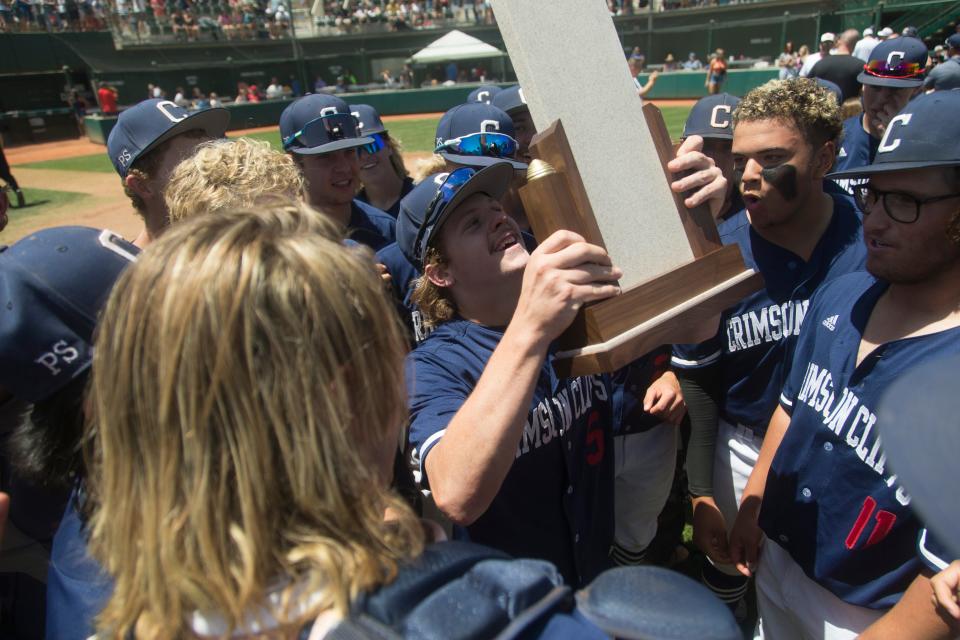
(456, 45)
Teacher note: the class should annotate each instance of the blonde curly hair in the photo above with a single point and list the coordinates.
(229, 174)
(801, 102)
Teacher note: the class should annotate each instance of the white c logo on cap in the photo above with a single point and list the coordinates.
(885, 144)
(492, 123)
(439, 178)
(327, 111)
(715, 122)
(356, 114)
(899, 55)
(162, 106)
(482, 97)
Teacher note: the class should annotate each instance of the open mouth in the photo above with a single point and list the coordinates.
(343, 184)
(505, 242)
(876, 243)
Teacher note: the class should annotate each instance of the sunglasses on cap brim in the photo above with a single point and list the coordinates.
(448, 189)
(880, 69)
(377, 144)
(325, 129)
(493, 145)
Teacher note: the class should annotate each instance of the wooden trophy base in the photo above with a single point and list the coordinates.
(680, 306)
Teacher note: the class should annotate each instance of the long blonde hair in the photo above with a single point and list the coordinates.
(231, 173)
(247, 377)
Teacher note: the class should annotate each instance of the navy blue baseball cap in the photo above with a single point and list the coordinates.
(712, 117)
(319, 123)
(923, 443)
(832, 87)
(370, 121)
(474, 117)
(510, 99)
(924, 134)
(52, 286)
(426, 203)
(484, 93)
(899, 63)
(953, 41)
(150, 123)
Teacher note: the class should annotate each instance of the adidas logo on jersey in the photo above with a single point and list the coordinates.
(843, 153)
(831, 323)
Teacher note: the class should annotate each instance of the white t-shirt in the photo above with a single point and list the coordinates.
(811, 60)
(274, 91)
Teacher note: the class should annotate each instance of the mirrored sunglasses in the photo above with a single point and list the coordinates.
(325, 129)
(377, 144)
(445, 193)
(494, 145)
(880, 69)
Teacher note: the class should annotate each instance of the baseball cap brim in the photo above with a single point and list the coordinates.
(330, 147)
(212, 121)
(708, 134)
(889, 167)
(481, 161)
(896, 83)
(493, 180)
(922, 446)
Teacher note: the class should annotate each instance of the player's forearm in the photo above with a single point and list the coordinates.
(700, 393)
(467, 466)
(914, 616)
(776, 431)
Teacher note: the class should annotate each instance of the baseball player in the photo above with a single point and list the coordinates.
(52, 286)
(517, 458)
(711, 118)
(797, 236)
(892, 76)
(382, 172)
(839, 530)
(946, 75)
(512, 101)
(469, 135)
(485, 93)
(147, 142)
(7, 176)
(324, 138)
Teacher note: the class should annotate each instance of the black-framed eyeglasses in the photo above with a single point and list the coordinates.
(902, 207)
(445, 192)
(328, 128)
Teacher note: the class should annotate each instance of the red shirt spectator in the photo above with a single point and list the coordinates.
(108, 99)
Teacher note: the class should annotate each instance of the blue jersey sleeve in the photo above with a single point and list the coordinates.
(435, 392)
(932, 554)
(696, 356)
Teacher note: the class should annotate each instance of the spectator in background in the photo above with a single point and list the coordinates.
(946, 75)
(180, 98)
(887, 33)
(215, 102)
(864, 47)
(693, 63)
(274, 90)
(79, 107)
(199, 100)
(669, 63)
(802, 54)
(319, 85)
(716, 72)
(107, 97)
(787, 61)
(841, 67)
(826, 44)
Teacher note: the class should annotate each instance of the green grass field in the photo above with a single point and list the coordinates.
(415, 136)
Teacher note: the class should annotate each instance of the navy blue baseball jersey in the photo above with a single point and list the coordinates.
(756, 335)
(370, 226)
(403, 275)
(831, 501)
(932, 554)
(629, 388)
(556, 502)
(394, 210)
(857, 150)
